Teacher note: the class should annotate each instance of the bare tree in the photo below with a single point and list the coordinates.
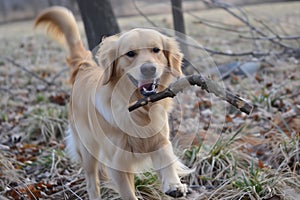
(99, 20)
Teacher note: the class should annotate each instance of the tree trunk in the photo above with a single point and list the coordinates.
(179, 26)
(3, 10)
(178, 20)
(99, 20)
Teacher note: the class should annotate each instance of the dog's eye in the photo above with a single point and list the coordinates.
(130, 54)
(155, 50)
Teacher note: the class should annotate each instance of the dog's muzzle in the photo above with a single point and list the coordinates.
(146, 87)
(147, 84)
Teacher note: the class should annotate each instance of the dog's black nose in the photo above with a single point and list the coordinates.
(148, 70)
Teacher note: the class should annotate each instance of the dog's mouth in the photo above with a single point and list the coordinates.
(146, 87)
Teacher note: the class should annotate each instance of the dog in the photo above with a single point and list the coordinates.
(102, 132)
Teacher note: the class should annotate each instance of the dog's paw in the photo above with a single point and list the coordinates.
(178, 190)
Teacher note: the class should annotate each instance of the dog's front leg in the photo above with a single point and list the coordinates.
(164, 162)
(124, 183)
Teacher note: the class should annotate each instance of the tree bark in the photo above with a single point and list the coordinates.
(3, 10)
(178, 20)
(99, 20)
(179, 27)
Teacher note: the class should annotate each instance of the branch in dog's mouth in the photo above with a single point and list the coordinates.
(205, 84)
(146, 87)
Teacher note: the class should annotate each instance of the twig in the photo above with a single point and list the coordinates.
(266, 26)
(211, 25)
(198, 80)
(246, 53)
(209, 22)
(143, 14)
(292, 37)
(244, 18)
(226, 6)
(48, 83)
(59, 74)
(275, 35)
(213, 52)
(27, 70)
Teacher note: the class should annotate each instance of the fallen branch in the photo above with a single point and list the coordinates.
(12, 61)
(35, 75)
(198, 80)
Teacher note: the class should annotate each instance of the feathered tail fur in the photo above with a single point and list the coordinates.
(61, 25)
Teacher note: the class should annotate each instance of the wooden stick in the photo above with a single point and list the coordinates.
(205, 84)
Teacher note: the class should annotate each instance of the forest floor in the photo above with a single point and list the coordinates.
(235, 156)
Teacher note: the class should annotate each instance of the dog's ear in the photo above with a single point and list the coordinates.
(107, 56)
(174, 56)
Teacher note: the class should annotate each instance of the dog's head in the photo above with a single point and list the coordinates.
(148, 58)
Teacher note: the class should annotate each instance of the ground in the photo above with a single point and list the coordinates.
(235, 156)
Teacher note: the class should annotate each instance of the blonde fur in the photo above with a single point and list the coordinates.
(101, 128)
(61, 25)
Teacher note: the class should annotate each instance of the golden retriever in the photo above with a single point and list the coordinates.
(129, 66)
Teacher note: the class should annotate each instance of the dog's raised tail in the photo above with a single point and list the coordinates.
(60, 23)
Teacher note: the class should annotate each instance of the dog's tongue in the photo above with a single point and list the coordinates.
(145, 84)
